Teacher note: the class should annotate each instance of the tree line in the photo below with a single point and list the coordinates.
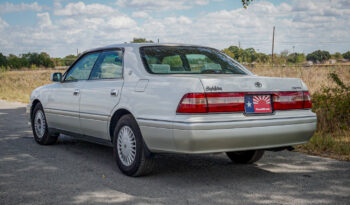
(248, 55)
(33, 60)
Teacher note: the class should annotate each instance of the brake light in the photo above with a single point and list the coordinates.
(193, 103)
(288, 100)
(234, 102)
(211, 102)
(291, 100)
(307, 100)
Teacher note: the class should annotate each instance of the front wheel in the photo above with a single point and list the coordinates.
(245, 157)
(39, 126)
(130, 152)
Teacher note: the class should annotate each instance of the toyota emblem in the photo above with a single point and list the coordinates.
(258, 84)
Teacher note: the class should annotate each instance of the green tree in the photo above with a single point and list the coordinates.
(45, 60)
(245, 3)
(346, 55)
(3, 60)
(262, 58)
(141, 40)
(296, 58)
(318, 56)
(249, 55)
(337, 56)
(15, 62)
(68, 60)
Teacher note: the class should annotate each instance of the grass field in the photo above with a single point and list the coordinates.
(17, 85)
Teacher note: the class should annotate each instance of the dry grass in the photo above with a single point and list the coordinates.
(314, 77)
(334, 145)
(17, 86)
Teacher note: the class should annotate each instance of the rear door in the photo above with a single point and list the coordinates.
(62, 110)
(101, 93)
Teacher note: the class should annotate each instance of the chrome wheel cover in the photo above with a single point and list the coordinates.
(39, 124)
(126, 145)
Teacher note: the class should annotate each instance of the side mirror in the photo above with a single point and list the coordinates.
(56, 77)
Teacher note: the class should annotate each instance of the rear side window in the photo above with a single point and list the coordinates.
(187, 60)
(108, 66)
(81, 70)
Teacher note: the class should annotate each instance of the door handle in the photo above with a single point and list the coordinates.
(76, 92)
(114, 92)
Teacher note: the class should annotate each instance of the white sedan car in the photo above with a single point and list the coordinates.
(145, 99)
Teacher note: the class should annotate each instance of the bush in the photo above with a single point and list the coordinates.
(347, 55)
(332, 106)
(318, 55)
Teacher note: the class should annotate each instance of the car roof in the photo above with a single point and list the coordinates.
(138, 45)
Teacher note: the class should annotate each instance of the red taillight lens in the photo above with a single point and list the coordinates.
(193, 103)
(234, 102)
(288, 100)
(307, 100)
(225, 102)
(211, 102)
(291, 100)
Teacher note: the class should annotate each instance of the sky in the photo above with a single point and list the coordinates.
(60, 27)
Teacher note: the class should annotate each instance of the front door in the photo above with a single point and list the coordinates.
(62, 110)
(101, 93)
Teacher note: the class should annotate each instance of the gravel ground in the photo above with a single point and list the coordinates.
(76, 172)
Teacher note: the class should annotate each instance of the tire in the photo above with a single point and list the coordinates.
(129, 150)
(40, 129)
(245, 157)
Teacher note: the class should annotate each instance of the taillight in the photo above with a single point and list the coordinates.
(291, 100)
(234, 102)
(288, 100)
(307, 100)
(193, 103)
(211, 102)
(225, 102)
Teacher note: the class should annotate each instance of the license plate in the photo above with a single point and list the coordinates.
(257, 104)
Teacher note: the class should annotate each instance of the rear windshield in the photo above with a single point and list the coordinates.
(187, 60)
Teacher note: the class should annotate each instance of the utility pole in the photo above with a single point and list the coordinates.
(239, 44)
(77, 52)
(158, 40)
(273, 41)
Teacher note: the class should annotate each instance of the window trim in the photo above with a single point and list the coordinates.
(75, 62)
(145, 64)
(87, 53)
(114, 49)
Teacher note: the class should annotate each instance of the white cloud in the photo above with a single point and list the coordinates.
(79, 25)
(140, 14)
(80, 8)
(10, 7)
(3, 24)
(44, 20)
(121, 22)
(161, 5)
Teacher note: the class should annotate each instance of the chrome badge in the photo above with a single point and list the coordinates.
(258, 84)
(213, 88)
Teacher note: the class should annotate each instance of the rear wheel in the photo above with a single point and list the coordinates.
(40, 129)
(130, 152)
(245, 157)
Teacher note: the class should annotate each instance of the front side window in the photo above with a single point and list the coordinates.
(187, 60)
(108, 66)
(81, 70)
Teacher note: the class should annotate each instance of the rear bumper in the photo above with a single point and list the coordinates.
(232, 135)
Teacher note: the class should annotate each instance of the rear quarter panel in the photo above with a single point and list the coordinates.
(157, 101)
